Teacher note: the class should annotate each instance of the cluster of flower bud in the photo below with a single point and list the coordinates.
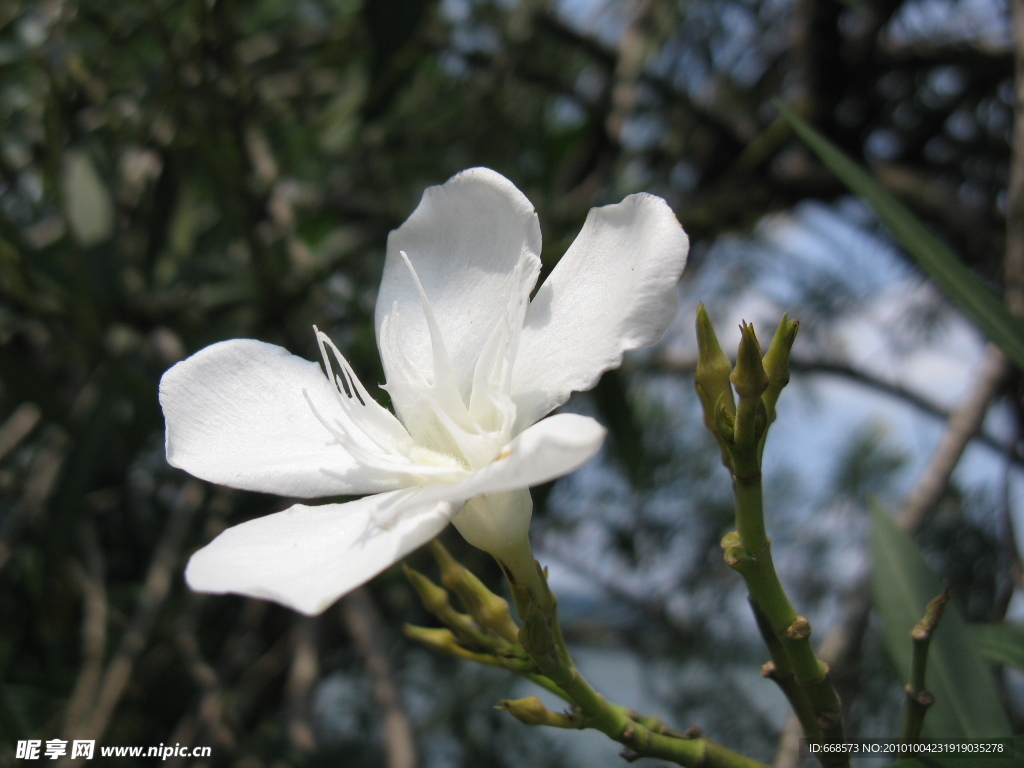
(485, 633)
(738, 401)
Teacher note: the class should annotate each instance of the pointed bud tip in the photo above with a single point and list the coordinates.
(433, 597)
(708, 349)
(749, 377)
(441, 554)
(434, 637)
(785, 334)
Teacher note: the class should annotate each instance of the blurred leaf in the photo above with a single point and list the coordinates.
(968, 292)
(966, 697)
(89, 209)
(1000, 643)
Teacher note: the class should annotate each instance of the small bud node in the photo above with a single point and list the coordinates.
(734, 556)
(800, 629)
(731, 539)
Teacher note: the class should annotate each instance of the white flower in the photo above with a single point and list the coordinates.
(472, 365)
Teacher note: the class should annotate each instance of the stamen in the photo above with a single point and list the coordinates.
(433, 407)
(490, 401)
(380, 460)
(369, 432)
(376, 422)
(444, 371)
(393, 355)
(434, 412)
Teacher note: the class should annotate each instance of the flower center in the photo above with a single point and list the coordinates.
(437, 436)
(369, 432)
(431, 405)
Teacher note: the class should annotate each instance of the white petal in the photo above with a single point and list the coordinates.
(244, 414)
(550, 448)
(614, 290)
(307, 557)
(464, 241)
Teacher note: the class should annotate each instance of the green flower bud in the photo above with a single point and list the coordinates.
(711, 379)
(532, 711)
(433, 597)
(776, 361)
(713, 366)
(439, 639)
(749, 377)
(487, 609)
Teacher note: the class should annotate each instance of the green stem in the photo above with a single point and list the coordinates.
(542, 638)
(918, 698)
(746, 487)
(915, 705)
(615, 722)
(749, 553)
(780, 671)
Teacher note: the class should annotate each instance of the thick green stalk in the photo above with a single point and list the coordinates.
(793, 631)
(749, 496)
(749, 553)
(780, 671)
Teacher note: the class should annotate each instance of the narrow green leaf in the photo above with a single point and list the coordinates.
(969, 293)
(1000, 643)
(966, 698)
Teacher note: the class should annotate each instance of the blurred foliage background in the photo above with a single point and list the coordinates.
(178, 172)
